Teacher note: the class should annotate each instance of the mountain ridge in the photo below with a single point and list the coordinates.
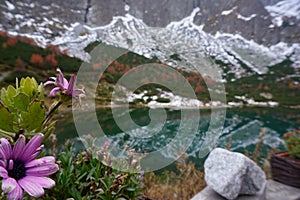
(216, 28)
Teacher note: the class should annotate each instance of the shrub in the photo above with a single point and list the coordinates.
(82, 176)
(292, 142)
(50, 59)
(19, 65)
(37, 60)
(11, 41)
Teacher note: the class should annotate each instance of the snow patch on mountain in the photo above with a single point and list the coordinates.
(227, 12)
(10, 6)
(285, 8)
(239, 16)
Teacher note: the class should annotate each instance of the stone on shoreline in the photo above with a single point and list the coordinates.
(273, 191)
(232, 174)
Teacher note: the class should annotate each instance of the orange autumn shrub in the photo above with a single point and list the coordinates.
(50, 59)
(37, 60)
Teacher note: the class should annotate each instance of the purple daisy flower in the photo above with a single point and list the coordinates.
(20, 169)
(64, 86)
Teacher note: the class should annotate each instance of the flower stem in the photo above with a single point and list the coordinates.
(51, 112)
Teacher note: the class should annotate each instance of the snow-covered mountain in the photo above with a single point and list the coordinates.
(283, 10)
(256, 34)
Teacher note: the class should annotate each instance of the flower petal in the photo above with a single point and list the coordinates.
(5, 149)
(71, 85)
(31, 147)
(3, 173)
(61, 81)
(3, 162)
(37, 152)
(31, 186)
(18, 148)
(16, 194)
(44, 182)
(8, 185)
(49, 83)
(65, 84)
(41, 161)
(45, 170)
(54, 91)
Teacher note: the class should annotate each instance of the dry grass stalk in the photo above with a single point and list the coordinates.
(182, 185)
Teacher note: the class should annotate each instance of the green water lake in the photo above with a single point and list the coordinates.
(242, 126)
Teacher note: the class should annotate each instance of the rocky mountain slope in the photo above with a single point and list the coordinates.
(246, 36)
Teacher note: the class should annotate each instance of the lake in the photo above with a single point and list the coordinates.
(152, 133)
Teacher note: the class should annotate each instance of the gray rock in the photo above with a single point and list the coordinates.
(209, 194)
(231, 174)
(279, 191)
(273, 190)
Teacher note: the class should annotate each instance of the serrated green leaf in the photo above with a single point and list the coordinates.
(21, 101)
(27, 86)
(34, 117)
(22, 81)
(11, 92)
(6, 118)
(4, 98)
(35, 84)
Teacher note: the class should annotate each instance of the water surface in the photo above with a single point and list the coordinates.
(242, 127)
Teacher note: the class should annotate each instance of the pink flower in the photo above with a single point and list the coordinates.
(106, 144)
(64, 86)
(20, 169)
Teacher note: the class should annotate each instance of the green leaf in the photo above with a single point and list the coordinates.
(27, 86)
(81, 176)
(34, 118)
(4, 98)
(21, 101)
(48, 130)
(90, 174)
(41, 92)
(11, 92)
(104, 184)
(6, 118)
(34, 83)
(7, 97)
(76, 194)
